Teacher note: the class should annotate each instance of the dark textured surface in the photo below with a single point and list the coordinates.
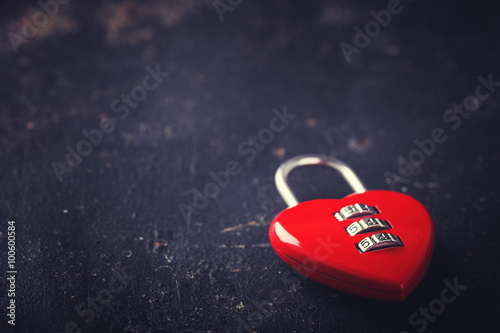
(119, 209)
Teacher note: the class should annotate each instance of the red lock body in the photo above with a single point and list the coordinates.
(312, 240)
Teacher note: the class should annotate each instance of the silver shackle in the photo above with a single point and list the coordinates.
(302, 160)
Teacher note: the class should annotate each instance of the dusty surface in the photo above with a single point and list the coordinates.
(214, 270)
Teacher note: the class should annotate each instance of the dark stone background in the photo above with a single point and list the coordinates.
(119, 209)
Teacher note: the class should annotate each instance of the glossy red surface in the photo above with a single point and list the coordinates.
(310, 239)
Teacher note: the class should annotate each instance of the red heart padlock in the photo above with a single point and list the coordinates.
(375, 244)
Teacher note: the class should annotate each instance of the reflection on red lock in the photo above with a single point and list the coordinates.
(375, 244)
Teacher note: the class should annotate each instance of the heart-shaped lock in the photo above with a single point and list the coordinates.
(375, 244)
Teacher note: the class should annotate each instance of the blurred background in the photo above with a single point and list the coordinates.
(118, 120)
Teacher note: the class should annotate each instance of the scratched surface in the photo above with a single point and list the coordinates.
(121, 227)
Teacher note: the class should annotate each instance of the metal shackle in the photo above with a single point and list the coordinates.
(302, 160)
